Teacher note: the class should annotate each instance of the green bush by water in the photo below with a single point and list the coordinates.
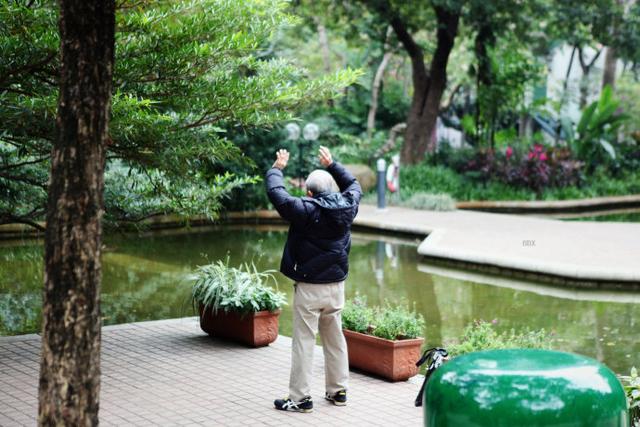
(481, 335)
(430, 202)
(219, 286)
(389, 322)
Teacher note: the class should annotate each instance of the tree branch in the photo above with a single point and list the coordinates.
(11, 219)
(28, 68)
(452, 96)
(17, 165)
(377, 82)
(23, 180)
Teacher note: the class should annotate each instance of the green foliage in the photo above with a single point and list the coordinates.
(596, 132)
(628, 91)
(481, 335)
(430, 202)
(441, 179)
(19, 313)
(219, 286)
(631, 384)
(596, 22)
(514, 68)
(186, 75)
(389, 322)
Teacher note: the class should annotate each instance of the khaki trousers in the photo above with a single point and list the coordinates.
(318, 307)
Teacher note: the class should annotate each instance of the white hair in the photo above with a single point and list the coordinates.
(320, 181)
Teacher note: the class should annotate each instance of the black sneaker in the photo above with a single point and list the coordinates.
(338, 399)
(305, 405)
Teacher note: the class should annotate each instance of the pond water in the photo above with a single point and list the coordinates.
(145, 277)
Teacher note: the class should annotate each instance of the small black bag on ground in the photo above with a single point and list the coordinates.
(435, 357)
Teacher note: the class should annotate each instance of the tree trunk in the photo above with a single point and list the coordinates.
(611, 57)
(377, 82)
(610, 65)
(70, 363)
(586, 70)
(428, 87)
(484, 79)
(323, 41)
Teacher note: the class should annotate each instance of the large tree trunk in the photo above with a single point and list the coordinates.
(428, 87)
(70, 363)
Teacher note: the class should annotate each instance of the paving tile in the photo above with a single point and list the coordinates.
(169, 373)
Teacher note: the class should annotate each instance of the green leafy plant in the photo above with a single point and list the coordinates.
(631, 384)
(595, 135)
(389, 322)
(219, 286)
(481, 335)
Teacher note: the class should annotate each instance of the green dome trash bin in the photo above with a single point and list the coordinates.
(524, 388)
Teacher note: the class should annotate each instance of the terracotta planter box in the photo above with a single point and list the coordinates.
(254, 329)
(392, 360)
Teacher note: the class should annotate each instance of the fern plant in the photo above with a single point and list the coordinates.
(243, 289)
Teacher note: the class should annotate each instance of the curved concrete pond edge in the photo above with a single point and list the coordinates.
(587, 255)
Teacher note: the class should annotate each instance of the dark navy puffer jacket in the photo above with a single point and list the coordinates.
(319, 240)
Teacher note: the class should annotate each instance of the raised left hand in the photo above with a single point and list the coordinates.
(324, 156)
(282, 158)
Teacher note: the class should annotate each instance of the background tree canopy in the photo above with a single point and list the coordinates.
(187, 73)
(200, 87)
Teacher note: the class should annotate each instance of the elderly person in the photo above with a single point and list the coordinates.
(316, 258)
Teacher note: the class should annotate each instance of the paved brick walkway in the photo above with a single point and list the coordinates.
(170, 373)
(583, 251)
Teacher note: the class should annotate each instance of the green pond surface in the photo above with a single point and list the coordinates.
(146, 276)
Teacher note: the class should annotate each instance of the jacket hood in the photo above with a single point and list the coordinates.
(332, 201)
(337, 210)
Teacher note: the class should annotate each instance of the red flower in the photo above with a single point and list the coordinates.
(509, 152)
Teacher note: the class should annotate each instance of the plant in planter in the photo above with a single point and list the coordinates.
(382, 340)
(236, 303)
(631, 384)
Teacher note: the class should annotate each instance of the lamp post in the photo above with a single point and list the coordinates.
(310, 133)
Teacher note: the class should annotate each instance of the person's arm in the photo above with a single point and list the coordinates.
(290, 208)
(345, 179)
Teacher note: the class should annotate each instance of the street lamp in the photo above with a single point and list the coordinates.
(310, 133)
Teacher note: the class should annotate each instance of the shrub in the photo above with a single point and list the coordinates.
(596, 133)
(430, 202)
(218, 286)
(433, 179)
(389, 322)
(481, 335)
(631, 384)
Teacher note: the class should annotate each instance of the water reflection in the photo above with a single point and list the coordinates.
(145, 277)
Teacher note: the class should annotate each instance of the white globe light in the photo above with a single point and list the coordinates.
(293, 131)
(311, 132)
